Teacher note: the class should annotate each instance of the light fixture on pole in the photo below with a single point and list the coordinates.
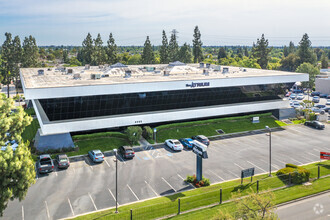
(270, 150)
(116, 160)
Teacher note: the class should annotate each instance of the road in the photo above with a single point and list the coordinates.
(87, 187)
(313, 208)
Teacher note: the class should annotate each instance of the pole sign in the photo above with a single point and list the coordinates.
(325, 155)
(200, 149)
(247, 173)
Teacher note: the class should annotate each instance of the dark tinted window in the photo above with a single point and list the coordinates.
(104, 105)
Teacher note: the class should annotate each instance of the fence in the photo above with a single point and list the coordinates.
(177, 204)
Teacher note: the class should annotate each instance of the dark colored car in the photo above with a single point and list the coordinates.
(62, 161)
(126, 152)
(328, 97)
(315, 94)
(187, 142)
(323, 95)
(45, 164)
(315, 124)
(202, 139)
(326, 109)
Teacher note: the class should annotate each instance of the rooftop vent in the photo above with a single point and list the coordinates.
(70, 71)
(225, 70)
(166, 73)
(205, 72)
(76, 76)
(217, 68)
(208, 65)
(41, 72)
(244, 70)
(128, 74)
(96, 76)
(87, 66)
(49, 69)
(101, 67)
(201, 65)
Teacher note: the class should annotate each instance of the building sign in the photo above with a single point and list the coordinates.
(247, 172)
(325, 155)
(255, 120)
(202, 84)
(200, 150)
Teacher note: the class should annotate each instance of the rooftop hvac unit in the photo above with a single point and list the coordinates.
(208, 65)
(76, 76)
(201, 65)
(244, 70)
(87, 66)
(106, 65)
(70, 71)
(100, 67)
(225, 70)
(41, 72)
(128, 74)
(217, 68)
(96, 76)
(205, 72)
(166, 73)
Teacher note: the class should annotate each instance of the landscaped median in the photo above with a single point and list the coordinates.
(210, 196)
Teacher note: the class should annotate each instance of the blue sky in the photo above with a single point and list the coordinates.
(230, 22)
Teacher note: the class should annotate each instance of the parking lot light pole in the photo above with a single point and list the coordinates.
(270, 150)
(116, 160)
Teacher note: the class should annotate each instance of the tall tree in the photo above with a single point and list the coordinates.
(285, 51)
(148, 56)
(305, 51)
(222, 53)
(163, 51)
(185, 55)
(197, 46)
(312, 72)
(65, 56)
(292, 48)
(87, 49)
(112, 50)
(98, 56)
(290, 63)
(17, 172)
(17, 59)
(324, 61)
(173, 47)
(246, 52)
(7, 61)
(30, 52)
(261, 51)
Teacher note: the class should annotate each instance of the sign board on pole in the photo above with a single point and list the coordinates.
(200, 149)
(155, 130)
(255, 120)
(247, 173)
(325, 155)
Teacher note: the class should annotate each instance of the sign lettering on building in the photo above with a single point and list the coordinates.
(201, 84)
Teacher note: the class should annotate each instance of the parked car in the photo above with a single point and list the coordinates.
(288, 94)
(96, 156)
(174, 144)
(315, 94)
(320, 106)
(62, 161)
(300, 96)
(202, 139)
(13, 144)
(296, 104)
(187, 142)
(322, 95)
(326, 109)
(328, 102)
(45, 164)
(293, 96)
(316, 99)
(316, 109)
(126, 152)
(328, 97)
(315, 124)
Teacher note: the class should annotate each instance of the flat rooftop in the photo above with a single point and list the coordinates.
(120, 74)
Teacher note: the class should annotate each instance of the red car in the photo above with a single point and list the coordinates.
(288, 94)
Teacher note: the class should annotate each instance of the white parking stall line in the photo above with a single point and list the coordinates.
(121, 158)
(114, 198)
(239, 166)
(279, 161)
(273, 165)
(71, 207)
(180, 176)
(168, 184)
(47, 210)
(106, 162)
(92, 201)
(55, 172)
(151, 188)
(217, 175)
(233, 174)
(257, 166)
(316, 150)
(312, 154)
(310, 160)
(22, 213)
(133, 192)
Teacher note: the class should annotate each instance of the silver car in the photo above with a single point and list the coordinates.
(96, 156)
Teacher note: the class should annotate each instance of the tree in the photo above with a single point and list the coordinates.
(134, 134)
(290, 63)
(253, 206)
(311, 70)
(17, 172)
(173, 47)
(163, 51)
(261, 51)
(17, 59)
(285, 51)
(134, 59)
(246, 52)
(197, 46)
(87, 50)
(324, 61)
(148, 55)
(185, 55)
(65, 56)
(30, 52)
(222, 53)
(98, 55)
(7, 66)
(73, 61)
(112, 50)
(305, 51)
(292, 48)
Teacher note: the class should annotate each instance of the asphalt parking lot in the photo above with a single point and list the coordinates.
(87, 187)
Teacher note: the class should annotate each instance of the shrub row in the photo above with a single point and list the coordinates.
(298, 174)
(97, 135)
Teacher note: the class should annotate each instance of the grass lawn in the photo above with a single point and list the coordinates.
(30, 131)
(163, 206)
(209, 127)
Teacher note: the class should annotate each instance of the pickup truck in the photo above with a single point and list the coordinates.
(45, 164)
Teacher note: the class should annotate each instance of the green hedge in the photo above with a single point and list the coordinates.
(98, 135)
(298, 174)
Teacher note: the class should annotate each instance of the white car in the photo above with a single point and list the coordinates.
(174, 144)
(328, 102)
(296, 104)
(300, 96)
